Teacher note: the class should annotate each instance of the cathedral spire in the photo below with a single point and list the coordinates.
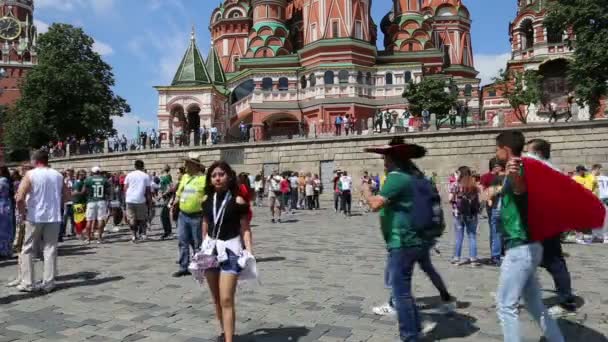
(214, 67)
(192, 70)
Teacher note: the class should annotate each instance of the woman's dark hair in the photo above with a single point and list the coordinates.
(244, 179)
(258, 178)
(233, 186)
(15, 175)
(4, 172)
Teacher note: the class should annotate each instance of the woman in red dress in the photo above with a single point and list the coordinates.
(246, 192)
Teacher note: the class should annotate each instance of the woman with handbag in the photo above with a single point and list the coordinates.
(227, 236)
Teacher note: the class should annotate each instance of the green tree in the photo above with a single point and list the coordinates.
(431, 94)
(68, 93)
(588, 72)
(521, 89)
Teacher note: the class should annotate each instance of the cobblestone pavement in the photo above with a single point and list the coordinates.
(321, 275)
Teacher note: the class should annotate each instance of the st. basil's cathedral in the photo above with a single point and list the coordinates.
(279, 64)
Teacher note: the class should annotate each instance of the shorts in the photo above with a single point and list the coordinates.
(274, 194)
(137, 212)
(97, 211)
(230, 266)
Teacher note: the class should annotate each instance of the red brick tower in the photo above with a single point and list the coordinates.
(269, 36)
(17, 50)
(230, 27)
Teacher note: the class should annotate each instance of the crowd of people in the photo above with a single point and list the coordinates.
(212, 210)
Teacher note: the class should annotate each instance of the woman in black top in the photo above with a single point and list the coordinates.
(225, 218)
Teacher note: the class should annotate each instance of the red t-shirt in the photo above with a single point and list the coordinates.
(284, 186)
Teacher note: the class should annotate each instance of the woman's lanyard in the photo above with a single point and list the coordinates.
(218, 214)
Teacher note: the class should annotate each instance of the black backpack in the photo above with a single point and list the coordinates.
(427, 213)
(468, 204)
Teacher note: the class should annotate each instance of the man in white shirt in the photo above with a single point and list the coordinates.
(42, 193)
(602, 183)
(274, 195)
(138, 198)
(346, 185)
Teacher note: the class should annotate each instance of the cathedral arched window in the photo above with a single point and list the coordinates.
(468, 90)
(369, 79)
(267, 84)
(343, 76)
(407, 77)
(527, 34)
(328, 78)
(554, 36)
(283, 84)
(303, 82)
(359, 77)
(389, 78)
(312, 79)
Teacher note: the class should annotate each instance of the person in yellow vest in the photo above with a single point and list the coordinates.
(189, 199)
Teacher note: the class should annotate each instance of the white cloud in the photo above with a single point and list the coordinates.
(128, 123)
(61, 5)
(489, 65)
(41, 26)
(102, 48)
(98, 6)
(102, 6)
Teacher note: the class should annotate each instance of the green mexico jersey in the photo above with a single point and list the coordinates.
(78, 199)
(97, 188)
(514, 216)
(395, 217)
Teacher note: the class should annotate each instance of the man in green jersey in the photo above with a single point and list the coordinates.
(522, 255)
(80, 204)
(165, 180)
(97, 190)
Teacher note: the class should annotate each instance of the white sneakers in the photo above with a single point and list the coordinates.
(384, 310)
(557, 311)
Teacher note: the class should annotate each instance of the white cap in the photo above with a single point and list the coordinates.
(95, 169)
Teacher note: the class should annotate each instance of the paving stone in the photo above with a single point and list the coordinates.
(320, 278)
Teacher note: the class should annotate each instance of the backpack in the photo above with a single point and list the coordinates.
(427, 213)
(468, 204)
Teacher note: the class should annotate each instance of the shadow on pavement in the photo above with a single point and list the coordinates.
(274, 335)
(551, 301)
(63, 286)
(574, 330)
(270, 259)
(74, 250)
(455, 325)
(427, 303)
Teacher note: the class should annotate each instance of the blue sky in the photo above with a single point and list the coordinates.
(144, 40)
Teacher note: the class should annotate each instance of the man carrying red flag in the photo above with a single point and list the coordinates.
(553, 259)
(522, 256)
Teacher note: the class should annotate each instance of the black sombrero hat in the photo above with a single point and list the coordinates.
(398, 148)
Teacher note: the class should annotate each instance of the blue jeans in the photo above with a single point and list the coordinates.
(555, 264)
(401, 263)
(468, 224)
(495, 236)
(189, 235)
(426, 265)
(518, 280)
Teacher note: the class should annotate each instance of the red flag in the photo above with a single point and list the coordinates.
(557, 204)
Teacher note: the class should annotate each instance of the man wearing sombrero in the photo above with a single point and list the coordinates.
(405, 195)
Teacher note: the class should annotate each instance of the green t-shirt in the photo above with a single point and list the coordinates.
(98, 188)
(395, 217)
(165, 182)
(77, 186)
(514, 216)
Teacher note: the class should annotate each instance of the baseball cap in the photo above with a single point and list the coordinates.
(95, 169)
(580, 168)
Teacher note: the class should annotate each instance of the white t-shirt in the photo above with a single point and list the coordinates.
(346, 182)
(136, 184)
(602, 182)
(275, 183)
